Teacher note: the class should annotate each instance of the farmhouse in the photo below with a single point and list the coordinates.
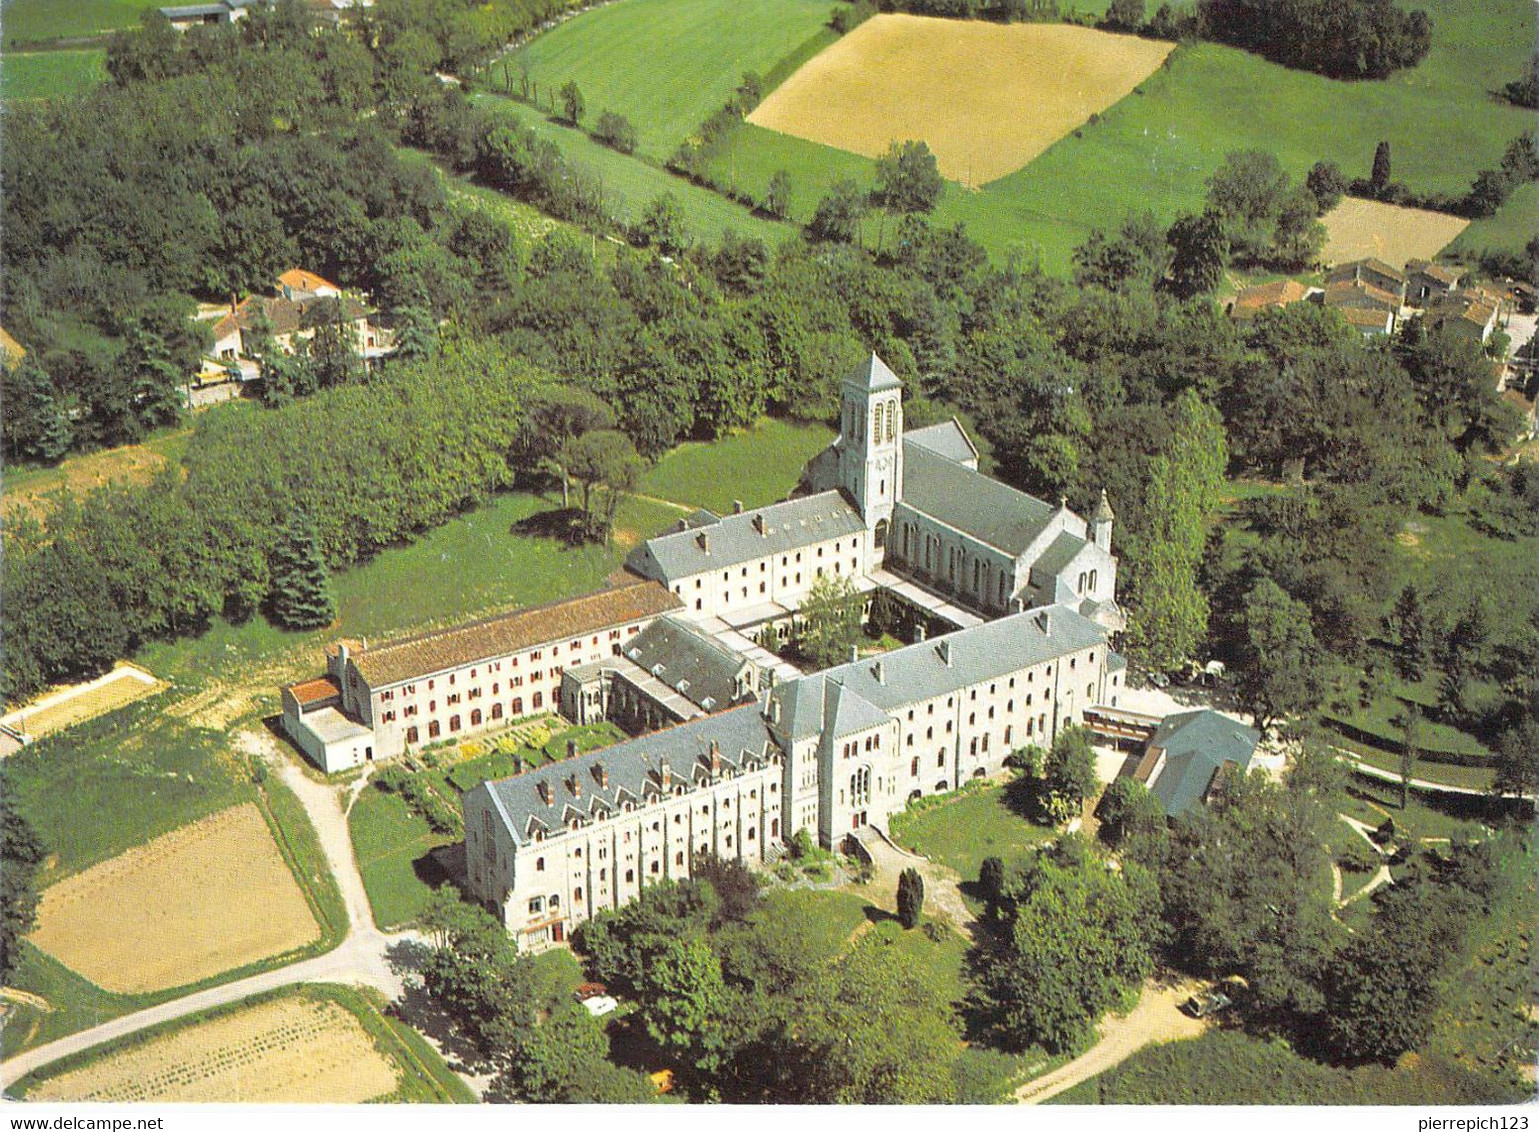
(1474, 313)
(829, 753)
(1251, 301)
(290, 315)
(1428, 281)
(1370, 272)
(374, 703)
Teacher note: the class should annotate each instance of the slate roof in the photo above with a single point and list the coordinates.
(946, 439)
(735, 539)
(1059, 553)
(971, 502)
(873, 376)
(632, 767)
(413, 657)
(689, 661)
(1196, 746)
(921, 672)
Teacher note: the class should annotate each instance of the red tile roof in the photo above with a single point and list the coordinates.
(314, 691)
(302, 280)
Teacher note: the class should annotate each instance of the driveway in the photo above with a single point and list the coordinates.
(1156, 1018)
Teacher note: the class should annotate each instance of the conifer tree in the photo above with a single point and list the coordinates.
(910, 897)
(301, 590)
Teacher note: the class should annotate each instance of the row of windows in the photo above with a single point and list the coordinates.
(496, 665)
(434, 728)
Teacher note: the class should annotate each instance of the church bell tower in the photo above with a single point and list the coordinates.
(871, 443)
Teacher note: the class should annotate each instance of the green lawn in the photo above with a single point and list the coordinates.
(28, 20)
(1371, 802)
(424, 1078)
(77, 1002)
(528, 221)
(50, 74)
(394, 848)
(1229, 1067)
(667, 65)
(963, 828)
(1157, 147)
(758, 466)
(493, 566)
(1514, 224)
(629, 184)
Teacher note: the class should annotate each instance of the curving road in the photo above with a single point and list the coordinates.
(366, 955)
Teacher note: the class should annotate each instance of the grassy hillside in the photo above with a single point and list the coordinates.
(631, 184)
(50, 74)
(1156, 148)
(1514, 224)
(667, 64)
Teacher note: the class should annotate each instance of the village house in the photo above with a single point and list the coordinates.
(1251, 301)
(1473, 312)
(291, 315)
(1370, 272)
(1428, 281)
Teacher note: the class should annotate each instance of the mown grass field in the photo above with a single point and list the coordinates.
(757, 466)
(1156, 148)
(630, 184)
(50, 74)
(29, 20)
(966, 827)
(394, 848)
(667, 65)
(1514, 224)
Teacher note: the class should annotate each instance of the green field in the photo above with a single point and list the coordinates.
(757, 467)
(50, 74)
(1156, 148)
(27, 21)
(424, 1078)
(629, 184)
(963, 828)
(394, 848)
(667, 65)
(1514, 224)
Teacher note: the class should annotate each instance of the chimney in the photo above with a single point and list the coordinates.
(1045, 619)
(571, 748)
(665, 775)
(854, 653)
(601, 775)
(919, 631)
(574, 784)
(760, 526)
(880, 672)
(683, 525)
(545, 795)
(715, 757)
(737, 506)
(705, 541)
(943, 650)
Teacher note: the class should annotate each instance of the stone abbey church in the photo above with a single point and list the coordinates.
(736, 751)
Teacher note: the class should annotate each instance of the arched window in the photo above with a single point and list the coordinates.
(411, 734)
(475, 718)
(892, 420)
(432, 729)
(518, 705)
(876, 426)
(1093, 580)
(454, 723)
(881, 533)
(496, 711)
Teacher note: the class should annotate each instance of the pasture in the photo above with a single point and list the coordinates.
(31, 21)
(1357, 229)
(666, 65)
(298, 1048)
(758, 466)
(1514, 224)
(50, 74)
(959, 86)
(629, 184)
(210, 897)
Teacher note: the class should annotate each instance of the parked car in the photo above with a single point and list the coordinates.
(1206, 1003)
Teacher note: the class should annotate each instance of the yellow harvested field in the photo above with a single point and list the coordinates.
(985, 97)
(200, 900)
(59, 708)
(1357, 229)
(293, 1050)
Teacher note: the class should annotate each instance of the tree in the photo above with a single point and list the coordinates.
(1408, 630)
(615, 131)
(554, 416)
(301, 596)
(1379, 178)
(571, 103)
(1124, 15)
(1279, 666)
(36, 424)
(662, 226)
(1517, 759)
(1328, 183)
(1410, 741)
(838, 215)
(828, 622)
(21, 855)
(777, 195)
(908, 179)
(910, 898)
(1133, 820)
(1246, 194)
(604, 458)
(991, 883)
(1068, 774)
(1080, 943)
(684, 1002)
(1200, 251)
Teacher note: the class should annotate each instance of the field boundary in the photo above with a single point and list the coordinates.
(122, 670)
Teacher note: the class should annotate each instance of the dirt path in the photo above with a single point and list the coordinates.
(1156, 1018)
(366, 956)
(942, 891)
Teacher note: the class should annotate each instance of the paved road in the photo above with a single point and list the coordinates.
(1156, 1018)
(1418, 783)
(363, 957)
